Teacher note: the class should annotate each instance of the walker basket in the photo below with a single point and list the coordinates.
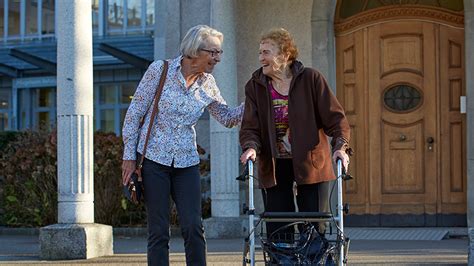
(298, 243)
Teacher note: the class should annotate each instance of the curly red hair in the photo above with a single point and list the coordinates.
(283, 40)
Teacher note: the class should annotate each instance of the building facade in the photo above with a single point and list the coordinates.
(123, 47)
(401, 68)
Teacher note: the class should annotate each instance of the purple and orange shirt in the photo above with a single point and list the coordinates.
(282, 127)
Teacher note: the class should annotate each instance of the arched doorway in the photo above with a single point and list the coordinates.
(400, 77)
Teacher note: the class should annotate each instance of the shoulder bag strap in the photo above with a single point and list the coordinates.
(158, 92)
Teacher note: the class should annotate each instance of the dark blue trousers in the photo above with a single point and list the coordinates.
(184, 187)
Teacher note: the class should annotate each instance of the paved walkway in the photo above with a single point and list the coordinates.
(23, 250)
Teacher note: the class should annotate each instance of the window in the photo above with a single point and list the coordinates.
(402, 98)
(134, 13)
(37, 108)
(115, 16)
(150, 13)
(47, 17)
(111, 103)
(95, 16)
(27, 19)
(13, 18)
(2, 15)
(31, 17)
(130, 16)
(5, 109)
(35, 19)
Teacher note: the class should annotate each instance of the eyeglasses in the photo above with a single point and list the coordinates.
(213, 53)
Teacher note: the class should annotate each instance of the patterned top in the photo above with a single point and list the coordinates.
(173, 137)
(282, 127)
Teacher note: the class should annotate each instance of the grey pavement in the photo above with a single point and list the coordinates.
(131, 250)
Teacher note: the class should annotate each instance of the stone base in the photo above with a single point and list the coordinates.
(470, 260)
(75, 241)
(226, 227)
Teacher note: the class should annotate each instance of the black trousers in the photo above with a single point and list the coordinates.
(184, 187)
(280, 198)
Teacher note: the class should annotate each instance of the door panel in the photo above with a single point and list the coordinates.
(406, 170)
(453, 138)
(351, 93)
(400, 83)
(401, 158)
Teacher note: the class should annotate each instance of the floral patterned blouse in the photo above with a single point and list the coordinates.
(173, 137)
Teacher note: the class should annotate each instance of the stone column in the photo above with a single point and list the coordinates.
(469, 47)
(324, 48)
(324, 58)
(167, 28)
(75, 236)
(225, 221)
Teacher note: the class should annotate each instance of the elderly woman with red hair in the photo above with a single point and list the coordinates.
(289, 112)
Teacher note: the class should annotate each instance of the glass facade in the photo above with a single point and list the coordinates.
(35, 19)
(37, 107)
(111, 103)
(34, 107)
(129, 16)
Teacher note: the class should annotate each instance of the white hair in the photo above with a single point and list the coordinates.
(195, 39)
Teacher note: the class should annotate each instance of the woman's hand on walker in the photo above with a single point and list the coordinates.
(128, 167)
(248, 154)
(339, 154)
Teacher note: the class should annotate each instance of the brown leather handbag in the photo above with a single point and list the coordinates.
(134, 190)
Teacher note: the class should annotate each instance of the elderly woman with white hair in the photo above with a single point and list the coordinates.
(171, 163)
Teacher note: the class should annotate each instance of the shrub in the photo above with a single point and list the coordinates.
(6, 137)
(110, 206)
(29, 195)
(29, 169)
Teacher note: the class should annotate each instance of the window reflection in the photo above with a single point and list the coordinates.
(13, 18)
(44, 120)
(95, 15)
(2, 21)
(107, 94)
(31, 17)
(115, 15)
(4, 108)
(47, 15)
(45, 97)
(107, 120)
(134, 13)
(150, 12)
(128, 89)
(4, 121)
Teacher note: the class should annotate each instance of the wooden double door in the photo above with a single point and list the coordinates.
(401, 84)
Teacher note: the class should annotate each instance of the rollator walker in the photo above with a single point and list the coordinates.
(304, 247)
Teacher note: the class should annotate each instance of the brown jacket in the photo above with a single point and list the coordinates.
(314, 112)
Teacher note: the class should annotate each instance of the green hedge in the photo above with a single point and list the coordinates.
(28, 196)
